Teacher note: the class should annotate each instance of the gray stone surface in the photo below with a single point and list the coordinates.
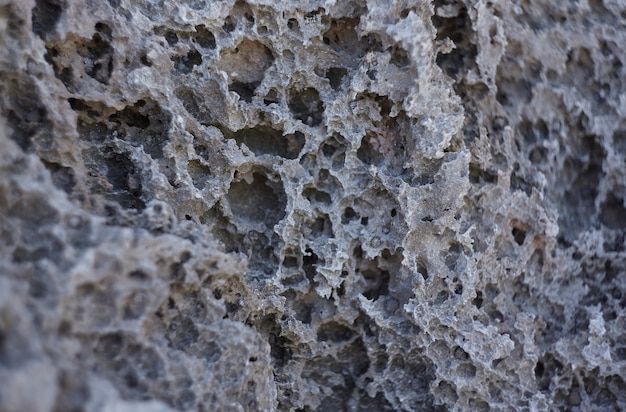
(312, 205)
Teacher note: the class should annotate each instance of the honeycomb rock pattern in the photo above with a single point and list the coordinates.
(312, 205)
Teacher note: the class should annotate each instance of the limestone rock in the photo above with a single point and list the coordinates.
(312, 205)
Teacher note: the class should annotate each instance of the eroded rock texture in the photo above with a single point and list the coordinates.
(308, 205)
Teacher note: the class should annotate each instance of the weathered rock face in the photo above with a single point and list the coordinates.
(309, 205)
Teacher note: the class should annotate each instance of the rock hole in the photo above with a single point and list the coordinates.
(399, 57)
(518, 231)
(134, 306)
(578, 202)
(123, 182)
(460, 354)
(580, 65)
(343, 38)
(478, 300)
(514, 87)
(545, 369)
(293, 24)
(539, 156)
(478, 175)
(335, 76)
(222, 229)
(145, 124)
(205, 105)
(171, 37)
(322, 227)
(421, 268)
(266, 140)
(619, 142)
(138, 275)
(244, 90)
(185, 64)
(245, 66)
(98, 54)
(329, 147)
(533, 133)
(131, 117)
(349, 215)
(441, 298)
(306, 106)
(613, 212)
(262, 258)
(519, 235)
(204, 38)
(341, 289)
(257, 200)
(377, 283)
(26, 114)
(62, 177)
(367, 152)
(45, 16)
(199, 172)
(456, 25)
(230, 24)
(110, 345)
(334, 332)
(291, 262)
(316, 196)
(334, 149)
(309, 262)
(143, 59)
(271, 97)
(280, 346)
(302, 308)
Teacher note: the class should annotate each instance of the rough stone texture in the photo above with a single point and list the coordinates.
(309, 205)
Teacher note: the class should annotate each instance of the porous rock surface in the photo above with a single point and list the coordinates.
(312, 205)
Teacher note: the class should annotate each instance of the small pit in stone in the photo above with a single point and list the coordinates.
(256, 199)
(613, 212)
(334, 332)
(266, 140)
(63, 177)
(185, 64)
(78, 56)
(144, 124)
(335, 76)
(204, 38)
(334, 149)
(343, 38)
(114, 176)
(245, 66)
(306, 106)
(318, 197)
(26, 114)
(98, 54)
(459, 29)
(377, 281)
(45, 16)
(206, 102)
(321, 227)
(199, 173)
